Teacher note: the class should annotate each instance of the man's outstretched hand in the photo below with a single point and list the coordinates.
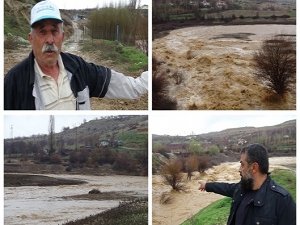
(202, 185)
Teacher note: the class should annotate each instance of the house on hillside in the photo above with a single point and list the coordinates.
(242, 141)
(110, 143)
(104, 143)
(221, 4)
(144, 7)
(205, 4)
(177, 148)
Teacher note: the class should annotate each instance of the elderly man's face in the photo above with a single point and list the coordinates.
(46, 40)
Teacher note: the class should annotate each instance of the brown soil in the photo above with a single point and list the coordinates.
(113, 195)
(17, 180)
(15, 166)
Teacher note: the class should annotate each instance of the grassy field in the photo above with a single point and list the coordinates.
(217, 213)
(130, 138)
(133, 59)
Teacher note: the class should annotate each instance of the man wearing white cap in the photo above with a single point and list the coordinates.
(52, 80)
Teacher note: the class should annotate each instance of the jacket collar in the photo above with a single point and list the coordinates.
(69, 63)
(31, 68)
(260, 196)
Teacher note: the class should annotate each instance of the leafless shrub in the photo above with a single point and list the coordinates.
(160, 91)
(125, 162)
(55, 159)
(276, 64)
(172, 174)
(203, 163)
(191, 165)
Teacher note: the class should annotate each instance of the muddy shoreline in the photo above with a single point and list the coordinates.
(162, 29)
(18, 180)
(127, 213)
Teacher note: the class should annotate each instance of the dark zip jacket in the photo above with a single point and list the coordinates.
(19, 82)
(272, 205)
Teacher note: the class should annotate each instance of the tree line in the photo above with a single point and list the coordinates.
(123, 24)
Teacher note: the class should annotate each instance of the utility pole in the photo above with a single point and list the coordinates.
(12, 140)
(12, 132)
(76, 139)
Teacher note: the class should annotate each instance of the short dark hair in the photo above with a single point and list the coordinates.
(259, 154)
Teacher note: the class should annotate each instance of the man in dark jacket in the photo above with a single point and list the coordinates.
(51, 80)
(256, 199)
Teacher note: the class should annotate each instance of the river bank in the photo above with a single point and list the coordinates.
(127, 213)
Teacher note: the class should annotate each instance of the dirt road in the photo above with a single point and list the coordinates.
(212, 67)
(73, 45)
(185, 204)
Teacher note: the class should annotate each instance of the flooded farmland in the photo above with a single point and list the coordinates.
(47, 205)
(211, 67)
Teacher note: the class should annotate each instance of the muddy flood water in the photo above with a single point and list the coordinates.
(46, 206)
(212, 67)
(183, 205)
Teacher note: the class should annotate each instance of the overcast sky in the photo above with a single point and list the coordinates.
(28, 124)
(186, 123)
(24, 126)
(171, 123)
(82, 4)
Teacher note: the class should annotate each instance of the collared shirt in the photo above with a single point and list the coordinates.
(54, 95)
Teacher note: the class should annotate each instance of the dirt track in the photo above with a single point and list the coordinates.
(185, 204)
(212, 67)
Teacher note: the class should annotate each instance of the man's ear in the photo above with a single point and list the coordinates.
(255, 167)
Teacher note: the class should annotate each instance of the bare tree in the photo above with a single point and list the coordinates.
(172, 174)
(191, 165)
(160, 90)
(203, 163)
(276, 64)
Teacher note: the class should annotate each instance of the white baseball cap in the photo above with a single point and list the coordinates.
(44, 10)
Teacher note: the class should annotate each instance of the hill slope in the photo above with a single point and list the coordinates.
(278, 137)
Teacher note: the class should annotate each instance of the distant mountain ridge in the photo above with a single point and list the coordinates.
(131, 130)
(281, 136)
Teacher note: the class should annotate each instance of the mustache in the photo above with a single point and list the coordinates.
(49, 48)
